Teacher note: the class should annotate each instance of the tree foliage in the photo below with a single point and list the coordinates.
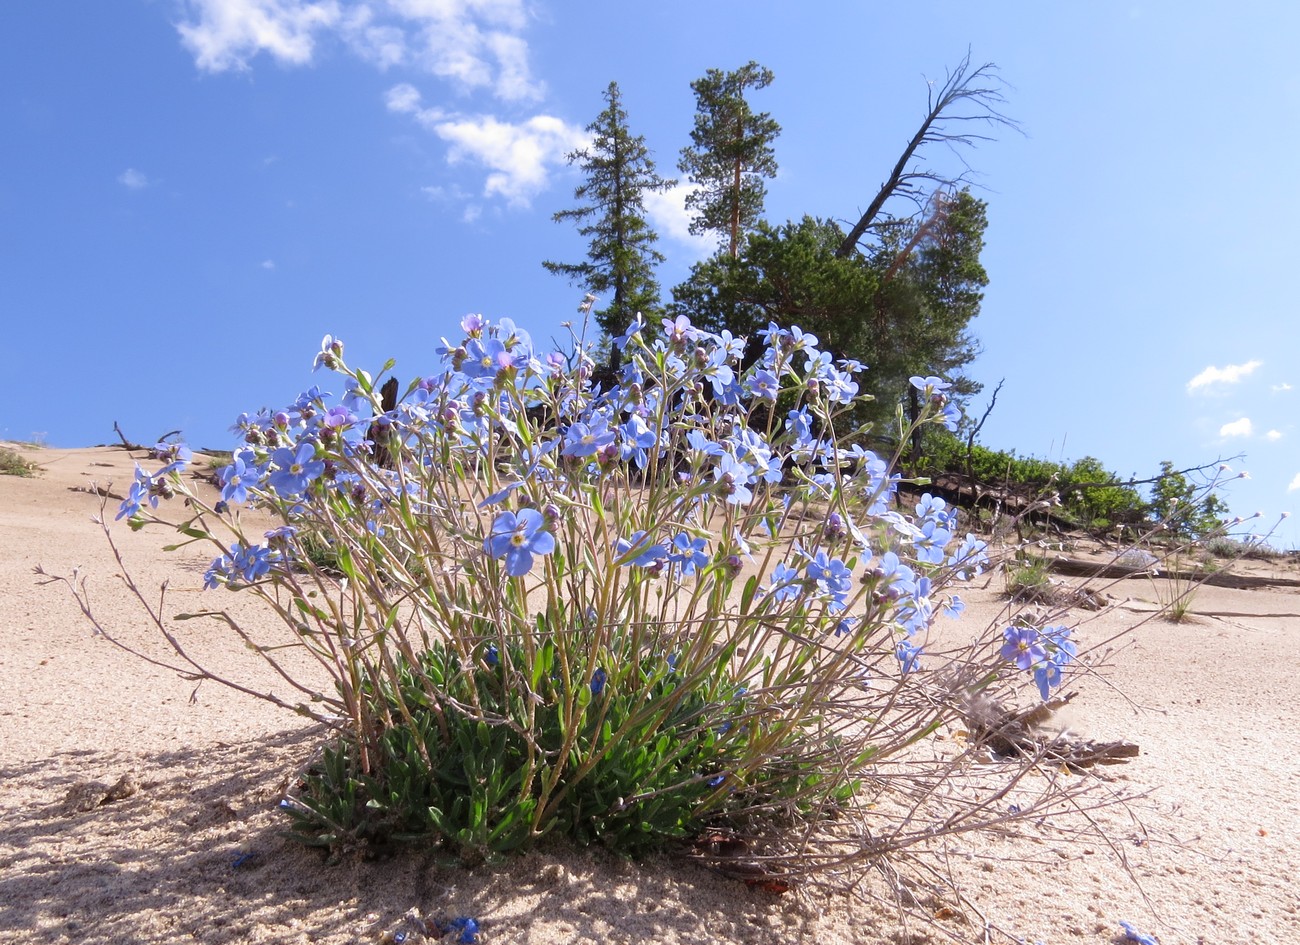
(730, 154)
(1185, 510)
(787, 274)
(621, 257)
(902, 310)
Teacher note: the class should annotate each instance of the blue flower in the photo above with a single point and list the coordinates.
(339, 416)
(702, 444)
(176, 456)
(517, 341)
(465, 928)
(832, 575)
(585, 438)
(799, 423)
(1047, 676)
(679, 331)
(754, 450)
(646, 553)
(1131, 934)
(1023, 647)
(803, 340)
(931, 542)
(763, 385)
(502, 494)
(251, 562)
(517, 538)
(929, 384)
(734, 478)
(972, 555)
(733, 348)
(331, 349)
(295, 469)
(895, 579)
(638, 438)
(786, 584)
(932, 507)
(633, 330)
(689, 553)
(234, 478)
(486, 358)
(598, 682)
(841, 388)
(909, 656)
(138, 492)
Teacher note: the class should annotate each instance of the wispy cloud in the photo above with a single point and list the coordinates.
(1273, 435)
(1280, 388)
(1242, 427)
(519, 156)
(474, 44)
(132, 179)
(1229, 374)
(267, 264)
(1295, 484)
(226, 34)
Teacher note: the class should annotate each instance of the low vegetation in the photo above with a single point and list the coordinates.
(12, 463)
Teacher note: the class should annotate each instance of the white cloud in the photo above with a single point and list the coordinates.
(225, 34)
(475, 44)
(1295, 484)
(519, 157)
(1273, 435)
(1230, 374)
(1280, 388)
(132, 179)
(513, 80)
(403, 98)
(1242, 427)
(267, 264)
(667, 211)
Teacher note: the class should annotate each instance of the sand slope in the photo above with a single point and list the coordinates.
(189, 848)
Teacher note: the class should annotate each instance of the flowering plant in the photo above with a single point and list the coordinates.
(684, 603)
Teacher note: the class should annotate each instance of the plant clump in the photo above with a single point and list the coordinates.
(12, 463)
(683, 606)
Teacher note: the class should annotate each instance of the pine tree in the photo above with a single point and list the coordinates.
(621, 256)
(730, 153)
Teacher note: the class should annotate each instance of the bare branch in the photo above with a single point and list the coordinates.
(980, 89)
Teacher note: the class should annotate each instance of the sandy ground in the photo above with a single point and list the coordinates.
(190, 845)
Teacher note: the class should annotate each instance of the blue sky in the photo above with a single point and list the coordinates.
(192, 193)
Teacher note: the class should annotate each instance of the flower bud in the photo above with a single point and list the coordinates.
(834, 526)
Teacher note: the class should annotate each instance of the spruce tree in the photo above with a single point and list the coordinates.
(621, 257)
(730, 154)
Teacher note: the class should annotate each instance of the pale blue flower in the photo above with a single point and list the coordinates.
(517, 538)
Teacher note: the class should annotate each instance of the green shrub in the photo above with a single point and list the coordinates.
(13, 464)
